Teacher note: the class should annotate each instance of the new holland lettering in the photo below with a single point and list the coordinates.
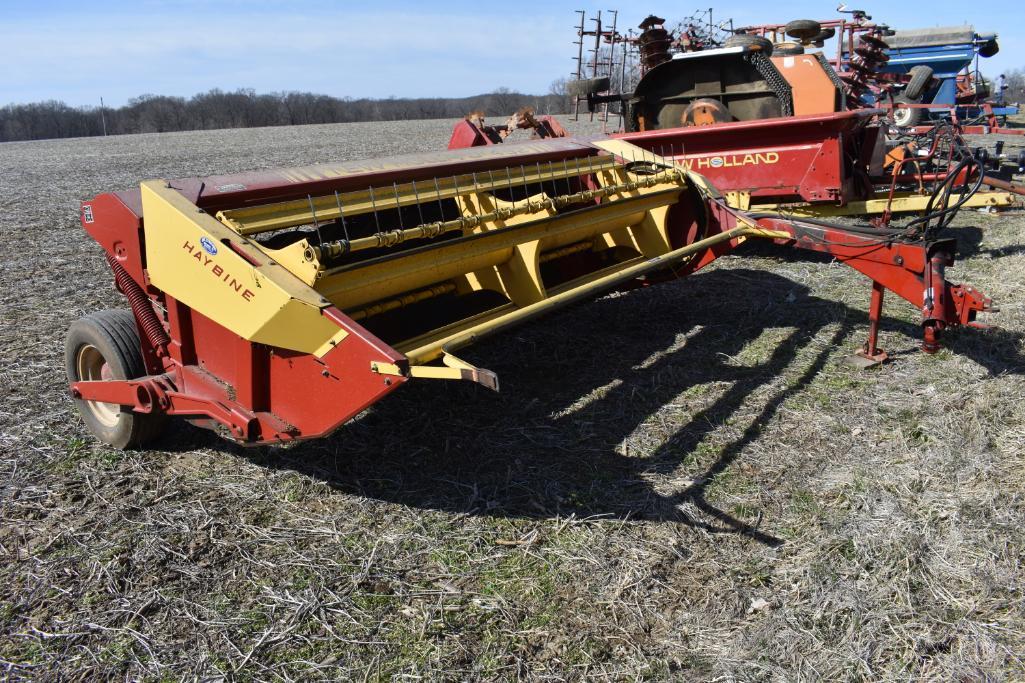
(730, 160)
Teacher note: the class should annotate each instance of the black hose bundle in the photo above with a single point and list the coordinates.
(939, 212)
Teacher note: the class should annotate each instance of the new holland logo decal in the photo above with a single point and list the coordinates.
(730, 160)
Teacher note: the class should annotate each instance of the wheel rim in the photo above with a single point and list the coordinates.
(901, 117)
(93, 367)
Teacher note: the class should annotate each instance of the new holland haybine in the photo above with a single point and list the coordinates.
(275, 306)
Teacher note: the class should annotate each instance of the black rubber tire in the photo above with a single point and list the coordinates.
(803, 29)
(114, 335)
(906, 118)
(587, 86)
(764, 45)
(824, 35)
(921, 76)
(788, 48)
(989, 48)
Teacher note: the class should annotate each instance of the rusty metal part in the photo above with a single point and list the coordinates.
(1004, 185)
(869, 57)
(654, 42)
(705, 112)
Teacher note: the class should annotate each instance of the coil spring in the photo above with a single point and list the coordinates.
(654, 47)
(141, 307)
(869, 57)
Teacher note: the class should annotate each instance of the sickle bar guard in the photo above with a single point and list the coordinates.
(277, 305)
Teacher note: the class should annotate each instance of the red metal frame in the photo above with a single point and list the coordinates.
(846, 32)
(913, 270)
(991, 127)
(470, 133)
(797, 158)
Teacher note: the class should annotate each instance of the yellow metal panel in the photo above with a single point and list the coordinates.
(627, 151)
(189, 257)
(902, 203)
(294, 259)
(455, 337)
(812, 90)
(739, 200)
(519, 277)
(360, 284)
(266, 217)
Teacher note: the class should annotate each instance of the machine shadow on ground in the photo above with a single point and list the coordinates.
(576, 386)
(969, 243)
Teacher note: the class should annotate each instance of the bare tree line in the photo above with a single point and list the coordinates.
(1015, 85)
(244, 108)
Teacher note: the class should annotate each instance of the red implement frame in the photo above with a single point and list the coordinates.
(991, 127)
(797, 158)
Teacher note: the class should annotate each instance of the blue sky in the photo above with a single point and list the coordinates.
(78, 52)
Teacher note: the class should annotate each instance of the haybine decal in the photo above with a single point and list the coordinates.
(208, 264)
(728, 160)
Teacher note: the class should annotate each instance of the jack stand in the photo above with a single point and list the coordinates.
(871, 355)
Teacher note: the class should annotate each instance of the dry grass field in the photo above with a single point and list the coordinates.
(683, 482)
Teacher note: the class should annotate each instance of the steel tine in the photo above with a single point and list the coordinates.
(419, 206)
(373, 207)
(398, 205)
(512, 195)
(455, 187)
(551, 170)
(341, 215)
(476, 191)
(491, 176)
(565, 170)
(437, 191)
(526, 190)
(316, 223)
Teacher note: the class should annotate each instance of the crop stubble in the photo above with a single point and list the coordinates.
(678, 481)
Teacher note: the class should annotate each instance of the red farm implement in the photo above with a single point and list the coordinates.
(274, 306)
